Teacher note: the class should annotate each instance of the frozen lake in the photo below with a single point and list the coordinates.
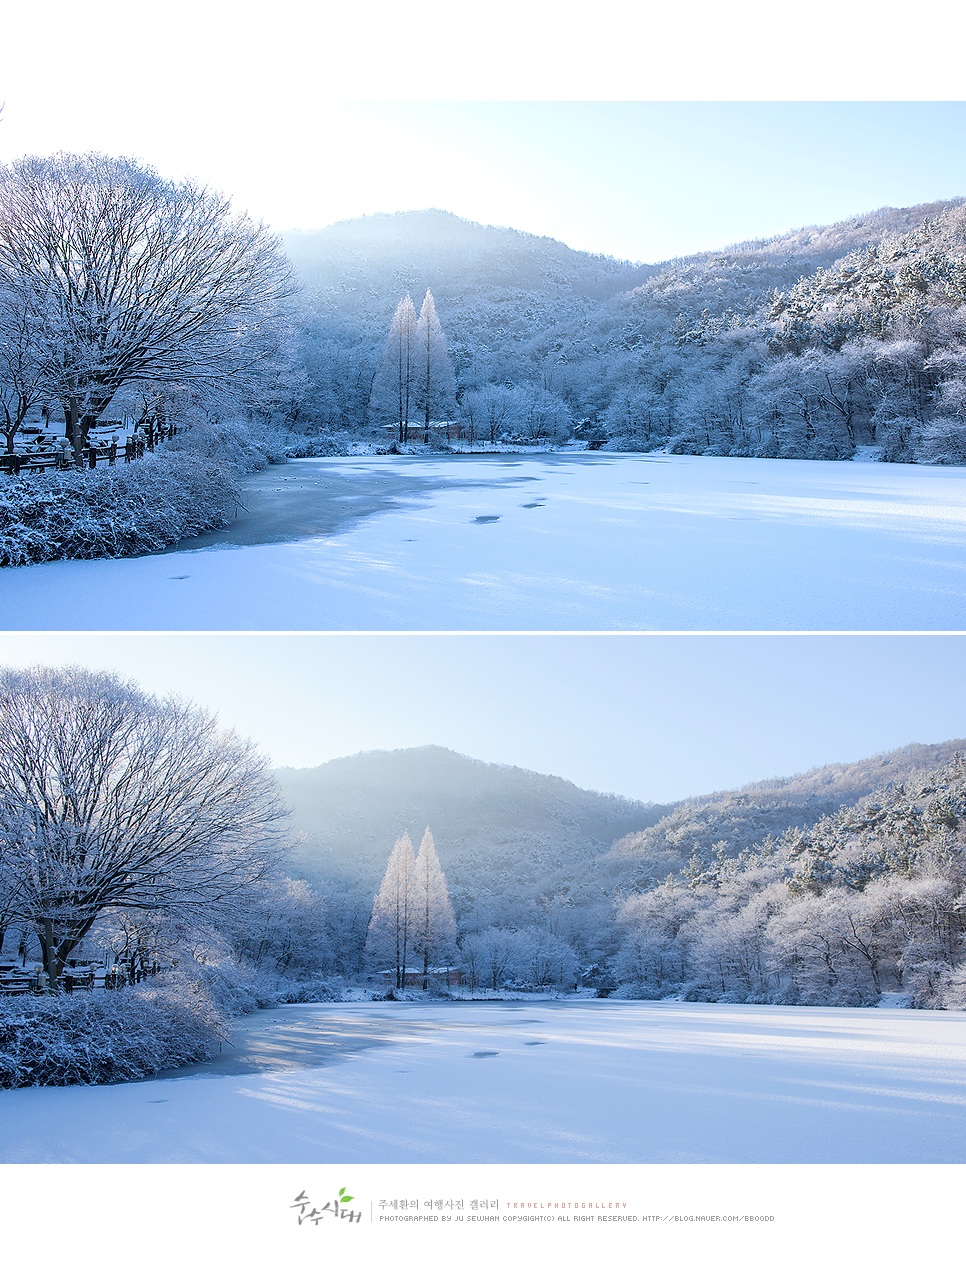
(543, 542)
(578, 1082)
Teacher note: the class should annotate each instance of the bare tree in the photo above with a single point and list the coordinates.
(487, 955)
(110, 797)
(134, 278)
(490, 410)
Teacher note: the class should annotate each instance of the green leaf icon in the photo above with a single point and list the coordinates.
(345, 1199)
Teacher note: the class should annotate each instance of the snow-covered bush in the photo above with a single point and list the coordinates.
(948, 990)
(237, 987)
(298, 991)
(125, 510)
(637, 991)
(232, 987)
(317, 445)
(899, 438)
(249, 445)
(189, 486)
(943, 442)
(230, 444)
(95, 1038)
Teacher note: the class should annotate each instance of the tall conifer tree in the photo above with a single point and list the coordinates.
(434, 926)
(393, 922)
(394, 389)
(435, 385)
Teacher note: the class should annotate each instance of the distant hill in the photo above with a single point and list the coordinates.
(511, 833)
(740, 819)
(377, 257)
(495, 826)
(520, 849)
(452, 255)
(818, 246)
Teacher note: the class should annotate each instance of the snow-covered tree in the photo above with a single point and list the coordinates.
(280, 924)
(487, 955)
(434, 926)
(435, 384)
(110, 797)
(392, 927)
(23, 378)
(489, 411)
(395, 387)
(131, 277)
(540, 415)
(541, 958)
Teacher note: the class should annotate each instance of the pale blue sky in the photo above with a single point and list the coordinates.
(648, 716)
(639, 180)
(275, 112)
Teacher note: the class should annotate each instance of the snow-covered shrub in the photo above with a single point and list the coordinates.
(188, 486)
(625, 443)
(697, 992)
(943, 442)
(239, 988)
(824, 448)
(948, 991)
(230, 444)
(899, 438)
(236, 985)
(318, 445)
(95, 1038)
(638, 991)
(125, 510)
(297, 991)
(244, 445)
(232, 987)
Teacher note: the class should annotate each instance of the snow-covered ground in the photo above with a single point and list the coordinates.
(577, 1083)
(558, 542)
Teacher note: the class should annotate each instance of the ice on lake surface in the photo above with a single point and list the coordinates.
(548, 542)
(609, 1082)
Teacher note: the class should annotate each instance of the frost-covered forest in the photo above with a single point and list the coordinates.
(807, 345)
(831, 887)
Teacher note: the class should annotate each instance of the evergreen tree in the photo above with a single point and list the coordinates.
(394, 388)
(435, 385)
(434, 926)
(393, 923)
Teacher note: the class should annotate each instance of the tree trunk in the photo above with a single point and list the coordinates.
(74, 432)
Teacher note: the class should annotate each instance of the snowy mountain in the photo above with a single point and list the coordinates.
(741, 819)
(374, 257)
(491, 822)
(502, 831)
(529, 853)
